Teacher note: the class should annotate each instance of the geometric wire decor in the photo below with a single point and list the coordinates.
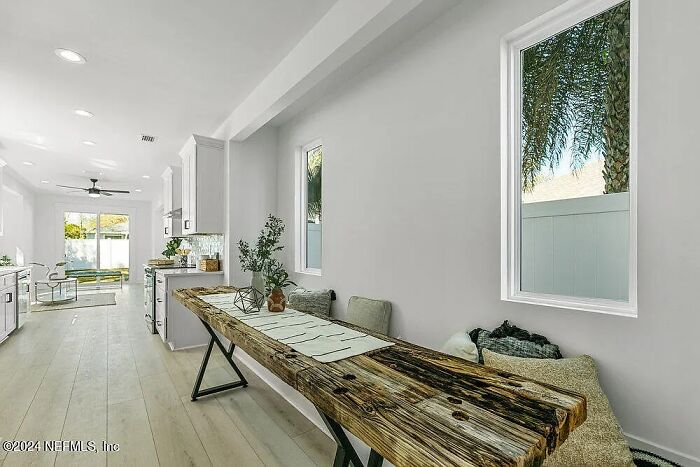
(248, 300)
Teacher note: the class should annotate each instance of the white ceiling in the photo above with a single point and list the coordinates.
(160, 67)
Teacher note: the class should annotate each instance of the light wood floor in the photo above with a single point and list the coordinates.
(96, 374)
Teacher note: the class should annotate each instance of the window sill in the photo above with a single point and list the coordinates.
(310, 272)
(608, 307)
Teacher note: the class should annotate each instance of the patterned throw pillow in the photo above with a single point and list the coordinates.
(513, 346)
(310, 301)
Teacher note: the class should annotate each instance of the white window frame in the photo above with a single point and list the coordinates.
(62, 208)
(300, 214)
(551, 23)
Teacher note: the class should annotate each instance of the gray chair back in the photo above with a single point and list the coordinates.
(371, 314)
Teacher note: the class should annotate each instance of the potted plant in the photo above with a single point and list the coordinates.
(171, 247)
(276, 278)
(255, 259)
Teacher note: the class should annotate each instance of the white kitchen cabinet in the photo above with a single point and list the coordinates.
(176, 325)
(203, 186)
(172, 202)
(8, 308)
(14, 299)
(3, 311)
(160, 297)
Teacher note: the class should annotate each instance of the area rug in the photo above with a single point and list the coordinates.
(649, 459)
(84, 301)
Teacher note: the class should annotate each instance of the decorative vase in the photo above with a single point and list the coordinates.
(258, 283)
(276, 301)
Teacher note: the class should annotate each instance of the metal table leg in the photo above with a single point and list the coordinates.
(346, 455)
(228, 353)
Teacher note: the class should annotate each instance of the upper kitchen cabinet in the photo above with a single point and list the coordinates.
(202, 186)
(172, 202)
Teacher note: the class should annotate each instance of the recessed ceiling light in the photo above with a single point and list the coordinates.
(27, 163)
(70, 56)
(89, 143)
(138, 190)
(45, 182)
(83, 113)
(146, 176)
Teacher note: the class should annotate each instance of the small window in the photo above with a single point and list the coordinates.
(569, 159)
(309, 209)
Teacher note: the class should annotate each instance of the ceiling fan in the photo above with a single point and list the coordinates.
(94, 191)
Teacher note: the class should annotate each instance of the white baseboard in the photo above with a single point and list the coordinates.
(186, 347)
(686, 460)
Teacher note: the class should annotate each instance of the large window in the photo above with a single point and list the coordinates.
(569, 159)
(309, 208)
(95, 241)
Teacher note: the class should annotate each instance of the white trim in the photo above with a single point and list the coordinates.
(300, 216)
(553, 22)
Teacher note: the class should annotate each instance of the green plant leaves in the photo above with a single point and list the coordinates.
(576, 84)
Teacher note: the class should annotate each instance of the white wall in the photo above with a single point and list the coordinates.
(252, 188)
(18, 204)
(157, 240)
(414, 143)
(48, 217)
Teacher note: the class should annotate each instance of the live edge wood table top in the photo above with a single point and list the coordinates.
(416, 406)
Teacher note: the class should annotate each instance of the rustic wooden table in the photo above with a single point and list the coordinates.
(413, 406)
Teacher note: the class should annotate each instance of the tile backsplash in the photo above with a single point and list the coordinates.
(204, 245)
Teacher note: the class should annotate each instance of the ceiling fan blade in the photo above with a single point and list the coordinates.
(105, 194)
(76, 187)
(113, 191)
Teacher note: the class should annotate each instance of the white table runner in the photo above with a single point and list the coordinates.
(309, 335)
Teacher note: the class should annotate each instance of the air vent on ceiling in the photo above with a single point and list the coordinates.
(148, 138)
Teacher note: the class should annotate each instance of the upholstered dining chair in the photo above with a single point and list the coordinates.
(371, 314)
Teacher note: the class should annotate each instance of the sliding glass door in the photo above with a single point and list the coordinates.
(96, 241)
(114, 241)
(80, 240)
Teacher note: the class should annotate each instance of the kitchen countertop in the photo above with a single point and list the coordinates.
(185, 272)
(12, 269)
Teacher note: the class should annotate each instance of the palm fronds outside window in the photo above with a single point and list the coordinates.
(575, 98)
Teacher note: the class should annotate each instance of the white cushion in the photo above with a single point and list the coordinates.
(460, 345)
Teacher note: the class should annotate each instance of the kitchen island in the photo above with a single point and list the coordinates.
(177, 326)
